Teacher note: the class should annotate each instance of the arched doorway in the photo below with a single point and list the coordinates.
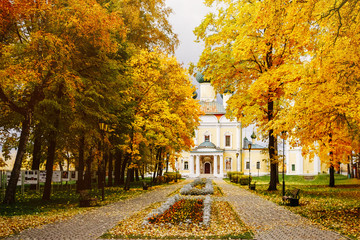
(207, 168)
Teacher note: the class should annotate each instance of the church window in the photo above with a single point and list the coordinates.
(228, 164)
(257, 165)
(186, 165)
(247, 165)
(207, 138)
(227, 141)
(293, 167)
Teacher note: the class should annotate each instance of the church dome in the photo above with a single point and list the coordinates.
(200, 78)
(207, 144)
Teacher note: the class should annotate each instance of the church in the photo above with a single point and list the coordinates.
(222, 145)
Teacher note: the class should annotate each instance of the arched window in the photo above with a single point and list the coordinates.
(186, 165)
(228, 164)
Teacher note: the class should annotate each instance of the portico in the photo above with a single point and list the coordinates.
(207, 159)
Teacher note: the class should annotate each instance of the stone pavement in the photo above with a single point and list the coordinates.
(269, 220)
(94, 223)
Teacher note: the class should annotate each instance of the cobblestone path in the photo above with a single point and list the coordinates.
(94, 223)
(269, 220)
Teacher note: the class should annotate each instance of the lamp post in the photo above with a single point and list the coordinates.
(283, 172)
(249, 146)
(103, 128)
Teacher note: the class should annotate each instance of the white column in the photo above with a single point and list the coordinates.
(287, 157)
(316, 165)
(191, 165)
(221, 165)
(197, 165)
(238, 136)
(215, 166)
(299, 162)
(218, 137)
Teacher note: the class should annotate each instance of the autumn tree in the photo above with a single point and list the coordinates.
(165, 114)
(251, 49)
(49, 45)
(322, 113)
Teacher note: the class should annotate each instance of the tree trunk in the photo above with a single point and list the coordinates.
(132, 174)
(80, 181)
(272, 153)
(127, 182)
(332, 176)
(49, 165)
(110, 172)
(87, 177)
(117, 171)
(123, 169)
(52, 149)
(137, 174)
(36, 155)
(24, 136)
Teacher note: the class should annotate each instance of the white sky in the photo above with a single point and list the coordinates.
(187, 14)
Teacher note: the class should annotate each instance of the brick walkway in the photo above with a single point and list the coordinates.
(269, 220)
(93, 224)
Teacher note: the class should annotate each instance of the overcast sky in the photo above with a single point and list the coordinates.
(187, 14)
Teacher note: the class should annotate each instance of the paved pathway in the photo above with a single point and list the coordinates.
(271, 221)
(93, 224)
(268, 220)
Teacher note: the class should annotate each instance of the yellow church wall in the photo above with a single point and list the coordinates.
(201, 133)
(291, 161)
(231, 155)
(255, 156)
(232, 131)
(308, 165)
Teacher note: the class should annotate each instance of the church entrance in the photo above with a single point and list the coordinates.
(207, 168)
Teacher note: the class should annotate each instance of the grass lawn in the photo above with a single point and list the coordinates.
(31, 211)
(336, 208)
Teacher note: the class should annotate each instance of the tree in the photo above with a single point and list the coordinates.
(165, 114)
(46, 46)
(251, 49)
(322, 114)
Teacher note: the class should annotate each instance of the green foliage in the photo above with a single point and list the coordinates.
(241, 179)
(172, 176)
(230, 174)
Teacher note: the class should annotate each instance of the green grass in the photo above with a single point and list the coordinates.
(336, 208)
(322, 179)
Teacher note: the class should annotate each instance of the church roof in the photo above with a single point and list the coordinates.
(253, 145)
(207, 144)
(200, 78)
(212, 107)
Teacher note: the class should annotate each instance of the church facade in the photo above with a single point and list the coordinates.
(222, 145)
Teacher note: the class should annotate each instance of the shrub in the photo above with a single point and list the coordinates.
(233, 173)
(172, 176)
(244, 180)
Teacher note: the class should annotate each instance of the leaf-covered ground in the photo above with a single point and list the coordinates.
(31, 211)
(224, 224)
(336, 208)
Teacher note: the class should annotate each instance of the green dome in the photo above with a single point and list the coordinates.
(200, 78)
(253, 136)
(207, 144)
